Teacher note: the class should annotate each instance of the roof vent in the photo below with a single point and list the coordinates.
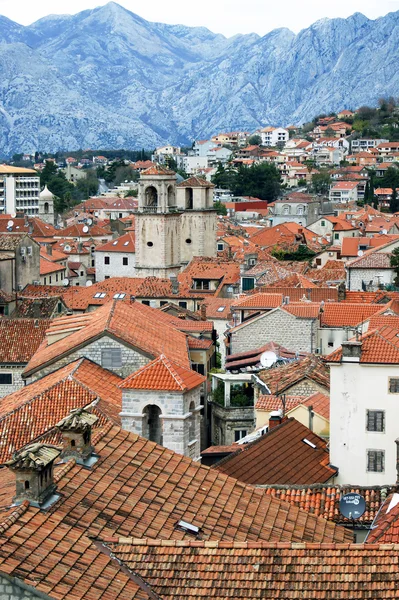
(188, 527)
(76, 437)
(33, 467)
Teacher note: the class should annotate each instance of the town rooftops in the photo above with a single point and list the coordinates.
(385, 528)
(195, 182)
(261, 301)
(288, 453)
(157, 169)
(10, 170)
(163, 374)
(20, 338)
(319, 402)
(125, 243)
(132, 323)
(337, 314)
(378, 346)
(279, 379)
(344, 185)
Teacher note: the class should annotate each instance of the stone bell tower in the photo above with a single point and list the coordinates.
(157, 224)
(46, 206)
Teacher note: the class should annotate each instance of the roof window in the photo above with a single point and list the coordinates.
(99, 295)
(187, 527)
(126, 243)
(309, 443)
(119, 296)
(221, 308)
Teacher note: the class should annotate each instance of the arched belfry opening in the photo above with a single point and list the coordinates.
(46, 208)
(152, 423)
(171, 196)
(151, 196)
(189, 198)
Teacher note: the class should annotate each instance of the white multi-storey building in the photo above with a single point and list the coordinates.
(20, 193)
(271, 136)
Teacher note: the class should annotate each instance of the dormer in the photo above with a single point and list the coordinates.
(76, 431)
(34, 474)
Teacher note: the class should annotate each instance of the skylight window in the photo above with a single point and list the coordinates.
(188, 527)
(99, 295)
(309, 443)
(126, 244)
(115, 243)
(221, 308)
(119, 296)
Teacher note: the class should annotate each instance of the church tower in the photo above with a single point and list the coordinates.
(157, 224)
(46, 206)
(198, 219)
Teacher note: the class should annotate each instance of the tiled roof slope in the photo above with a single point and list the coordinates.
(34, 410)
(298, 294)
(281, 457)
(380, 297)
(223, 570)
(29, 307)
(379, 346)
(282, 378)
(134, 324)
(323, 500)
(138, 488)
(385, 528)
(163, 374)
(337, 314)
(319, 402)
(20, 338)
(261, 301)
(125, 243)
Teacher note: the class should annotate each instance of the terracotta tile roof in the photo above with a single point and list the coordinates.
(323, 500)
(125, 243)
(380, 297)
(318, 401)
(227, 272)
(379, 346)
(31, 308)
(371, 260)
(11, 241)
(196, 182)
(295, 280)
(218, 308)
(55, 256)
(156, 169)
(282, 378)
(338, 314)
(163, 374)
(262, 301)
(199, 343)
(252, 357)
(385, 528)
(344, 185)
(298, 294)
(140, 489)
(381, 320)
(20, 339)
(76, 230)
(221, 449)
(259, 570)
(303, 310)
(134, 324)
(34, 410)
(47, 267)
(281, 456)
(42, 291)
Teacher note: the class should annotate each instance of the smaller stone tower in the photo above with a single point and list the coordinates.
(46, 206)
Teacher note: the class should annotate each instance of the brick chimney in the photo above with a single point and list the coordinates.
(275, 419)
(34, 476)
(203, 311)
(76, 436)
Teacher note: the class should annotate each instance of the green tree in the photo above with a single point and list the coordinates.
(321, 181)
(260, 181)
(220, 208)
(394, 202)
(255, 140)
(367, 198)
(394, 258)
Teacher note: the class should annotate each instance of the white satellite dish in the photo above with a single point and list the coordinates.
(10, 223)
(89, 283)
(85, 229)
(268, 359)
(360, 253)
(65, 281)
(384, 231)
(90, 221)
(67, 248)
(14, 215)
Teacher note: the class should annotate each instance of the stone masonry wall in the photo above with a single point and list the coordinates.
(17, 381)
(11, 589)
(276, 326)
(355, 277)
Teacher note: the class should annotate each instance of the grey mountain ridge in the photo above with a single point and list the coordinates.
(106, 78)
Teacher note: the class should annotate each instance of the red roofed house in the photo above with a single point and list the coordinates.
(344, 192)
(364, 407)
(116, 258)
(162, 402)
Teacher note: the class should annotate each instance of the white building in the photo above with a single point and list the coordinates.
(192, 164)
(271, 136)
(202, 147)
(362, 144)
(19, 190)
(364, 408)
(344, 192)
(116, 258)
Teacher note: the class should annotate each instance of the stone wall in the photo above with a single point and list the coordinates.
(17, 381)
(306, 387)
(226, 420)
(12, 589)
(356, 277)
(276, 326)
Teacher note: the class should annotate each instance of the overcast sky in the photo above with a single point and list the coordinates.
(223, 16)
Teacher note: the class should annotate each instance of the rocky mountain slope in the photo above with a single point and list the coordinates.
(106, 78)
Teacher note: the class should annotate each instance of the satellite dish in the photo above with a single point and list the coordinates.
(14, 215)
(360, 253)
(352, 506)
(90, 221)
(89, 283)
(10, 223)
(268, 359)
(85, 229)
(65, 281)
(67, 248)
(384, 231)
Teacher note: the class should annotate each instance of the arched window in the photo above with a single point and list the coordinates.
(152, 423)
(189, 198)
(171, 196)
(299, 210)
(46, 208)
(192, 423)
(286, 209)
(151, 196)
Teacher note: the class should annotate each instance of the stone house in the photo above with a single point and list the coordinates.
(19, 262)
(116, 258)
(372, 270)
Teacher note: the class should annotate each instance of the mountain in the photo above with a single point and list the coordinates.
(106, 78)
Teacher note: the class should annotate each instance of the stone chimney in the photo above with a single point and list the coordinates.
(34, 476)
(36, 308)
(203, 311)
(351, 351)
(275, 419)
(50, 249)
(175, 284)
(76, 436)
(341, 292)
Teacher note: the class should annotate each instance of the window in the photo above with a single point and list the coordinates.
(146, 302)
(394, 385)
(323, 223)
(106, 277)
(375, 461)
(318, 262)
(99, 295)
(199, 368)
(49, 279)
(106, 260)
(56, 276)
(81, 273)
(111, 358)
(220, 247)
(239, 434)
(163, 303)
(119, 296)
(125, 261)
(375, 420)
(248, 283)
(336, 236)
(183, 304)
(5, 378)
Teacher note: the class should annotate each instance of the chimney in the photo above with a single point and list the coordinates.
(203, 311)
(351, 351)
(36, 308)
(175, 284)
(275, 419)
(341, 292)
(49, 248)
(76, 436)
(34, 476)
(80, 247)
(311, 415)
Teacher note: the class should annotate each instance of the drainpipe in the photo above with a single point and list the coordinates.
(311, 415)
